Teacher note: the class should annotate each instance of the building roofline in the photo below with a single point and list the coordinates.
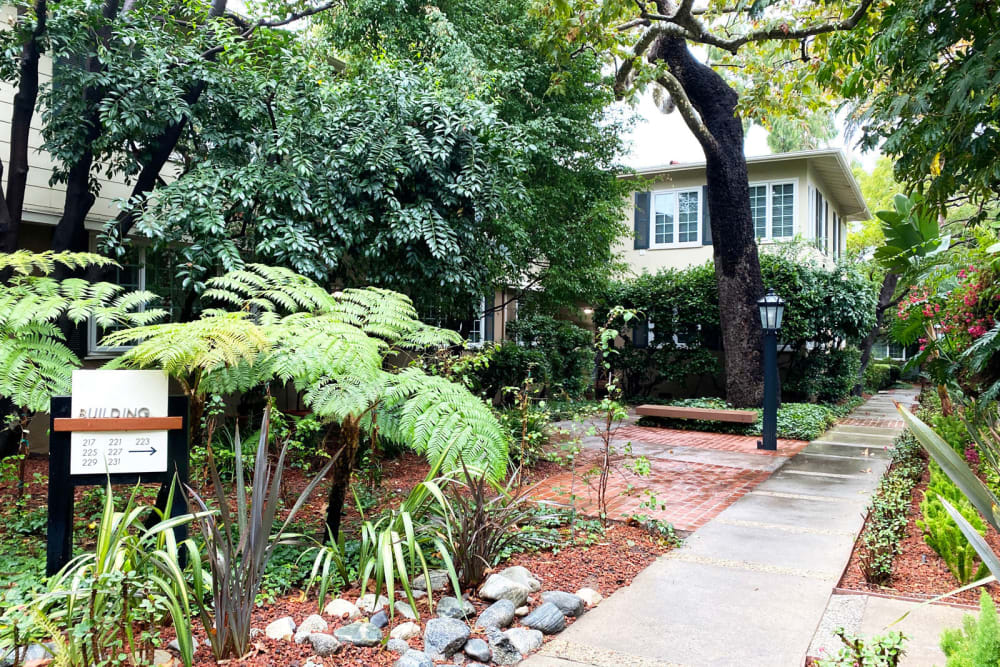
(836, 153)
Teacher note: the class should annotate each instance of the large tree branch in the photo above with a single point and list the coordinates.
(688, 112)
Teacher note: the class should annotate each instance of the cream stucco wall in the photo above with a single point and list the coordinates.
(796, 171)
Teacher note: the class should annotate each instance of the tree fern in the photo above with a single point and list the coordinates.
(35, 363)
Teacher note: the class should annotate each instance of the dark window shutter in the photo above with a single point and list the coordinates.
(706, 223)
(641, 220)
(488, 326)
(640, 334)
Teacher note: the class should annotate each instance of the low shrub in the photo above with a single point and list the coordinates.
(879, 651)
(878, 377)
(978, 641)
(887, 513)
(529, 433)
(824, 375)
(796, 421)
(952, 430)
(943, 535)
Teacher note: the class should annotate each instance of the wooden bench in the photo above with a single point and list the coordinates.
(707, 414)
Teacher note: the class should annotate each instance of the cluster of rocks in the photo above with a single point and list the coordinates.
(447, 636)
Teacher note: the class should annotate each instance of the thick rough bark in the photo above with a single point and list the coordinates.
(345, 439)
(885, 301)
(737, 266)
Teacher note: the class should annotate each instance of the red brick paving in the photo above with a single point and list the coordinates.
(686, 494)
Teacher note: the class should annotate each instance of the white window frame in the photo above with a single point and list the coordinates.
(883, 345)
(677, 192)
(479, 322)
(94, 349)
(769, 199)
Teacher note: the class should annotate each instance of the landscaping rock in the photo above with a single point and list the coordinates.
(445, 636)
(439, 581)
(398, 646)
(524, 640)
(499, 587)
(341, 608)
(546, 618)
(477, 649)
(368, 604)
(569, 604)
(522, 611)
(522, 576)
(283, 628)
(380, 619)
(313, 623)
(590, 596)
(504, 651)
(414, 659)
(475, 664)
(404, 610)
(453, 608)
(161, 657)
(405, 631)
(174, 645)
(500, 614)
(359, 634)
(324, 644)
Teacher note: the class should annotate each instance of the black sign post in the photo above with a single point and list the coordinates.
(62, 484)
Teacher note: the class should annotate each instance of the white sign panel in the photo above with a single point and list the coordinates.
(111, 395)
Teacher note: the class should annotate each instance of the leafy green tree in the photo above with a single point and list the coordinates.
(878, 187)
(559, 238)
(765, 49)
(793, 134)
(923, 89)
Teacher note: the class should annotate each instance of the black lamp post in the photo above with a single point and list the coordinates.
(772, 308)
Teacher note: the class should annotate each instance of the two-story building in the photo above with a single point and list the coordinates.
(810, 195)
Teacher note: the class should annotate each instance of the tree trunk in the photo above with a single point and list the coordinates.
(885, 301)
(737, 266)
(346, 438)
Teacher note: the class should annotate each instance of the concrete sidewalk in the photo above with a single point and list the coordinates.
(750, 587)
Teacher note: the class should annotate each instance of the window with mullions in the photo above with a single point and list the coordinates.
(782, 210)
(676, 218)
(758, 209)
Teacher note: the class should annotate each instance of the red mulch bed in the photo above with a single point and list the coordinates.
(606, 565)
(918, 572)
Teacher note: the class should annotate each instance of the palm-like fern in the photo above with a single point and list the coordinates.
(35, 363)
(281, 326)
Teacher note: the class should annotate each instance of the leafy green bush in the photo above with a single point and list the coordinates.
(952, 430)
(879, 376)
(529, 433)
(796, 421)
(978, 641)
(886, 524)
(825, 375)
(943, 535)
(879, 651)
(567, 348)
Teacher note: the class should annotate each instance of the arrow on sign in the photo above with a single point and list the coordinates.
(150, 451)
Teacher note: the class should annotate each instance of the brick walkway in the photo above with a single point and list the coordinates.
(687, 493)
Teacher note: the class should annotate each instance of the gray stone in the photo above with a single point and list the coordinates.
(397, 645)
(522, 576)
(413, 659)
(504, 651)
(369, 604)
(324, 644)
(341, 608)
(568, 604)
(547, 618)
(499, 587)
(445, 636)
(162, 658)
(359, 634)
(311, 624)
(475, 664)
(524, 640)
(380, 619)
(523, 611)
(500, 614)
(590, 596)
(477, 649)
(174, 645)
(439, 581)
(404, 610)
(405, 631)
(453, 608)
(283, 628)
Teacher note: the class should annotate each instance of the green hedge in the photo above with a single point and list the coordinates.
(881, 375)
(796, 421)
(824, 375)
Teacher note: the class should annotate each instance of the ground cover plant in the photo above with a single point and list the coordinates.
(977, 642)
